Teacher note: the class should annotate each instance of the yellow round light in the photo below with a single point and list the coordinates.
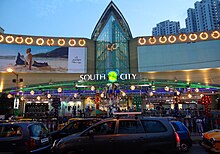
(40, 41)
(152, 40)
(9, 39)
(189, 96)
(59, 90)
(38, 98)
(142, 41)
(203, 36)
(9, 96)
(82, 42)
(29, 40)
(182, 37)
(172, 39)
(19, 40)
(22, 98)
(50, 42)
(1, 38)
(49, 96)
(92, 88)
(61, 42)
(163, 39)
(132, 87)
(215, 34)
(193, 37)
(32, 92)
(72, 42)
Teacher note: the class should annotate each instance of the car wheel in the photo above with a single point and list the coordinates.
(184, 147)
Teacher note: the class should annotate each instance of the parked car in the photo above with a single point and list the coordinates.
(74, 126)
(24, 137)
(123, 135)
(211, 141)
(184, 134)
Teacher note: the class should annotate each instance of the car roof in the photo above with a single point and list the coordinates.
(21, 123)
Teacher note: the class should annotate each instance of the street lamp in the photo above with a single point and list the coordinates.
(10, 70)
(16, 100)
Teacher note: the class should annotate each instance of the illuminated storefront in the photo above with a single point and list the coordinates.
(112, 68)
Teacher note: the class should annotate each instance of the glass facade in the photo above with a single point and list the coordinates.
(112, 49)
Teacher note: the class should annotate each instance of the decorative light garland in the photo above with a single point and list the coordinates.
(61, 42)
(203, 36)
(82, 42)
(181, 37)
(152, 40)
(142, 41)
(215, 34)
(1, 38)
(40, 41)
(72, 42)
(172, 39)
(29, 40)
(19, 40)
(50, 42)
(164, 39)
(193, 37)
(9, 39)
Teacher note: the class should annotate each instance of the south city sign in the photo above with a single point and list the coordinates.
(112, 76)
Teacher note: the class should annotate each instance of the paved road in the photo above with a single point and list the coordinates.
(197, 149)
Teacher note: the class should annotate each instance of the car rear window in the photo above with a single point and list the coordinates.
(179, 126)
(153, 126)
(10, 131)
(37, 130)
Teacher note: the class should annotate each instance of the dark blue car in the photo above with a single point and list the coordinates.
(184, 134)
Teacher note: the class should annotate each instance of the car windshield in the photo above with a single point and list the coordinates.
(38, 130)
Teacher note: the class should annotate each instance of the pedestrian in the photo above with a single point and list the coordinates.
(199, 125)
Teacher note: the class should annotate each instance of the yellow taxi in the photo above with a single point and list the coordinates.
(211, 140)
(24, 119)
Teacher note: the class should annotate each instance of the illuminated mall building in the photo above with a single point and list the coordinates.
(112, 68)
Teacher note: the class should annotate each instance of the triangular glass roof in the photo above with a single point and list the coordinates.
(111, 8)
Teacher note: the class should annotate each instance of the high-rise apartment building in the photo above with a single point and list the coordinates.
(191, 21)
(204, 17)
(166, 28)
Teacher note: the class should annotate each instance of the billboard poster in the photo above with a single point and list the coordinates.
(37, 59)
(77, 60)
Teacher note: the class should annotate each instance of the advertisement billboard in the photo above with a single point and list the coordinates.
(183, 56)
(43, 59)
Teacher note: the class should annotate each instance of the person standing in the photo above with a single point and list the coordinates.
(28, 58)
